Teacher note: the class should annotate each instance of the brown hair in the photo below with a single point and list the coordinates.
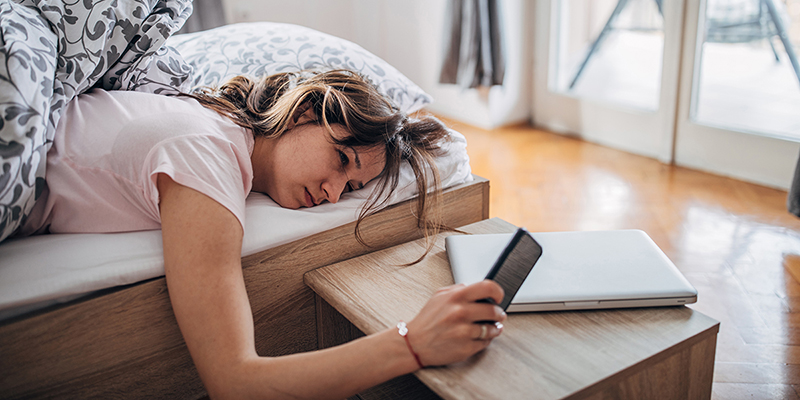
(267, 105)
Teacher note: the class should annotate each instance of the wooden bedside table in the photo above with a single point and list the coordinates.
(643, 353)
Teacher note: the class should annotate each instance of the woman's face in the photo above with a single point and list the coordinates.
(304, 168)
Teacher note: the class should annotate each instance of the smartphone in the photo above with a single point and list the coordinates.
(514, 264)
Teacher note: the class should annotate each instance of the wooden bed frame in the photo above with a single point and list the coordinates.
(126, 343)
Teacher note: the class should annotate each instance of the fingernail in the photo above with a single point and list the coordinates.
(498, 325)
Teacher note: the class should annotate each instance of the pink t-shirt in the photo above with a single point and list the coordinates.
(110, 146)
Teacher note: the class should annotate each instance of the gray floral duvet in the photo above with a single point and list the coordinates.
(51, 51)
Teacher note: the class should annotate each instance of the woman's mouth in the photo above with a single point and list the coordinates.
(309, 199)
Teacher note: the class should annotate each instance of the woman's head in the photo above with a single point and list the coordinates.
(307, 166)
(357, 120)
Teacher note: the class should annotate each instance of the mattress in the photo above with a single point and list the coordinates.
(41, 271)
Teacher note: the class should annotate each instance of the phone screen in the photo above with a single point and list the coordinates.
(514, 264)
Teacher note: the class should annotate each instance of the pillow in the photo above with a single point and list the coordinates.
(259, 48)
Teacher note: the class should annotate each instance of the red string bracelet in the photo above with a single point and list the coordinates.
(402, 329)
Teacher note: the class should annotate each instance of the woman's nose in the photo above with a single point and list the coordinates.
(334, 187)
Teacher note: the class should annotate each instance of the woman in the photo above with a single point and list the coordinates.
(125, 161)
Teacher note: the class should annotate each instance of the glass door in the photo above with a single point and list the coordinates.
(607, 71)
(709, 84)
(739, 112)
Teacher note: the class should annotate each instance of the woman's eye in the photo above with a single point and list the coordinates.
(343, 158)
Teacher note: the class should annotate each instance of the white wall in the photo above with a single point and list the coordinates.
(409, 35)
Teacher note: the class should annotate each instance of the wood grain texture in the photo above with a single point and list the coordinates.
(403, 387)
(617, 353)
(682, 372)
(126, 344)
(334, 329)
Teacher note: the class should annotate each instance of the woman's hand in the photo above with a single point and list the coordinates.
(446, 330)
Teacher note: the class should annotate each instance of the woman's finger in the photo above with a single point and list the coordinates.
(450, 288)
(481, 290)
(487, 332)
(484, 312)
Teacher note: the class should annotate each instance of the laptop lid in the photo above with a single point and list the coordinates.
(580, 270)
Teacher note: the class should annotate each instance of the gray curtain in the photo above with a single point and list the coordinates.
(793, 201)
(473, 51)
(207, 14)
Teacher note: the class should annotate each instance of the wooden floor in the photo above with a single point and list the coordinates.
(734, 241)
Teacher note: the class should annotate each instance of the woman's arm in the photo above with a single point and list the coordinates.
(202, 257)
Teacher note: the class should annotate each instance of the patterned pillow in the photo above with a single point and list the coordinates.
(259, 48)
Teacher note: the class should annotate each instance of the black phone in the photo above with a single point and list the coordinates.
(514, 264)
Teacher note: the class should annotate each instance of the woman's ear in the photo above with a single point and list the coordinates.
(303, 115)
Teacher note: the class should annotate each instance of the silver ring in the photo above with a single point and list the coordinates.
(483, 332)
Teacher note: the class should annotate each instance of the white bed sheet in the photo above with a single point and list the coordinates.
(40, 271)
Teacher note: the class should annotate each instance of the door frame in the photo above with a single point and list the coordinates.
(607, 124)
(762, 159)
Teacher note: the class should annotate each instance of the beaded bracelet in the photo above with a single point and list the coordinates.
(402, 329)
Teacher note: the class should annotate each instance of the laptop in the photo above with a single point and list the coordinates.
(579, 270)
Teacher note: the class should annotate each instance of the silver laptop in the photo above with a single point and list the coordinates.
(580, 270)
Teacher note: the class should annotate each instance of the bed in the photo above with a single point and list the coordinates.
(124, 341)
(112, 333)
